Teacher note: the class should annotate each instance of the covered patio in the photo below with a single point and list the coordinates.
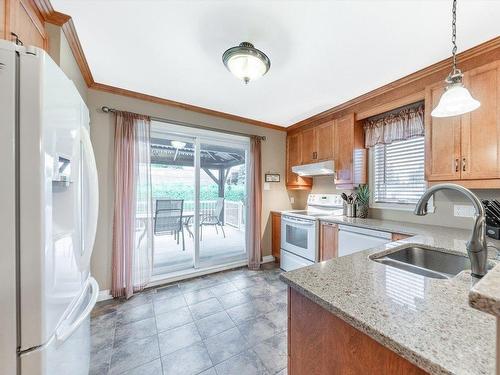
(222, 228)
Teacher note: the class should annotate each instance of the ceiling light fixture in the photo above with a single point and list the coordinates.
(246, 62)
(456, 99)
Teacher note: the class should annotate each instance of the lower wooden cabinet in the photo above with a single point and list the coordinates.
(276, 235)
(328, 240)
(320, 343)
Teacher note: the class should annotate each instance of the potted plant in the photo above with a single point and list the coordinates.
(362, 201)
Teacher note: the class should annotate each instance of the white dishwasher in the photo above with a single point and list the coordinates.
(353, 239)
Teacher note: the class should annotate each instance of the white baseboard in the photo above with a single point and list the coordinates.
(104, 295)
(267, 259)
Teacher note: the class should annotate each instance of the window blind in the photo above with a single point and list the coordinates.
(399, 171)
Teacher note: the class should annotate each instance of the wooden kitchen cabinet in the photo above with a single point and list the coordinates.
(276, 235)
(321, 343)
(308, 146)
(349, 153)
(442, 140)
(21, 18)
(341, 140)
(328, 241)
(318, 143)
(481, 128)
(466, 149)
(294, 157)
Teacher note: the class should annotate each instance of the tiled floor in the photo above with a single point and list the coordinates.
(228, 323)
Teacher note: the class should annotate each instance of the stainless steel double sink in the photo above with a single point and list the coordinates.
(425, 261)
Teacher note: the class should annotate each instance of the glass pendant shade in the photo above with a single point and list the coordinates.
(455, 101)
(246, 62)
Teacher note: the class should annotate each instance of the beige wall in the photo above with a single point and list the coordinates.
(102, 128)
(61, 53)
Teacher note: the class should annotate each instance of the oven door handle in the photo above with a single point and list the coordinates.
(288, 219)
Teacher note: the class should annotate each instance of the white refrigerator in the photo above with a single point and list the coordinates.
(48, 217)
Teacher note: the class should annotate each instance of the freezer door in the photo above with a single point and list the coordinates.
(68, 352)
(8, 338)
(52, 273)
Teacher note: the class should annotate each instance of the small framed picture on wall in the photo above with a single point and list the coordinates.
(272, 177)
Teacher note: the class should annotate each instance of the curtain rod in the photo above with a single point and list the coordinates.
(106, 109)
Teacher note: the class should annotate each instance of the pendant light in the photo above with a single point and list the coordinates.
(456, 99)
(246, 62)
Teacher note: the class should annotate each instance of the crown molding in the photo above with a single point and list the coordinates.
(420, 75)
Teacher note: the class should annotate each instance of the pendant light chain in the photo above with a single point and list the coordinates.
(454, 36)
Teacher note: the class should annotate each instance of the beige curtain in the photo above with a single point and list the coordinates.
(132, 221)
(400, 125)
(255, 204)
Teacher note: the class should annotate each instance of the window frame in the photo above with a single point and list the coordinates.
(388, 205)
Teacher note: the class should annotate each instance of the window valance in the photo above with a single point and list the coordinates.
(398, 125)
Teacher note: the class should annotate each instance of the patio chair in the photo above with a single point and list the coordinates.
(168, 218)
(213, 219)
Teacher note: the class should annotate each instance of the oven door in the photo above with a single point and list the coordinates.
(299, 236)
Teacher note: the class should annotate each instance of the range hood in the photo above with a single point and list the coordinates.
(322, 168)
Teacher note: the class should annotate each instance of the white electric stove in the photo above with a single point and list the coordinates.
(300, 230)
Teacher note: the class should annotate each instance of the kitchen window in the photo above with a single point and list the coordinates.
(398, 173)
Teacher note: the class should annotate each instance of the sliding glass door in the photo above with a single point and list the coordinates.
(173, 177)
(223, 192)
(199, 198)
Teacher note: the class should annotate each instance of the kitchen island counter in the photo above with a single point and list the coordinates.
(424, 320)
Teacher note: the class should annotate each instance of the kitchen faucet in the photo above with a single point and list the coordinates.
(476, 246)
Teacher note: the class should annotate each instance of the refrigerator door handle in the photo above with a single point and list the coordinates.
(92, 215)
(66, 329)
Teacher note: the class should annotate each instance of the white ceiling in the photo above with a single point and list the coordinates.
(322, 53)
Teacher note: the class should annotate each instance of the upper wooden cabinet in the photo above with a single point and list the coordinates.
(349, 152)
(466, 148)
(294, 157)
(481, 128)
(325, 141)
(341, 140)
(20, 17)
(318, 143)
(308, 146)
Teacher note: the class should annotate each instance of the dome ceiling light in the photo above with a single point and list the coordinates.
(246, 62)
(456, 99)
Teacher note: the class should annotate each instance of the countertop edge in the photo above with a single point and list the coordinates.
(401, 350)
(485, 295)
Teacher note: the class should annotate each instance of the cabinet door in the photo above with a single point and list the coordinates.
(26, 24)
(343, 150)
(325, 141)
(276, 235)
(481, 128)
(442, 140)
(294, 157)
(328, 241)
(309, 146)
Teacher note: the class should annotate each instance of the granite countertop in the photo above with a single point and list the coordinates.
(427, 321)
(485, 295)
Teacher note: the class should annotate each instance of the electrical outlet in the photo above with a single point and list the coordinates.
(463, 210)
(292, 200)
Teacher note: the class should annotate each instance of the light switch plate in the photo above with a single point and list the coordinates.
(267, 186)
(463, 210)
(292, 200)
